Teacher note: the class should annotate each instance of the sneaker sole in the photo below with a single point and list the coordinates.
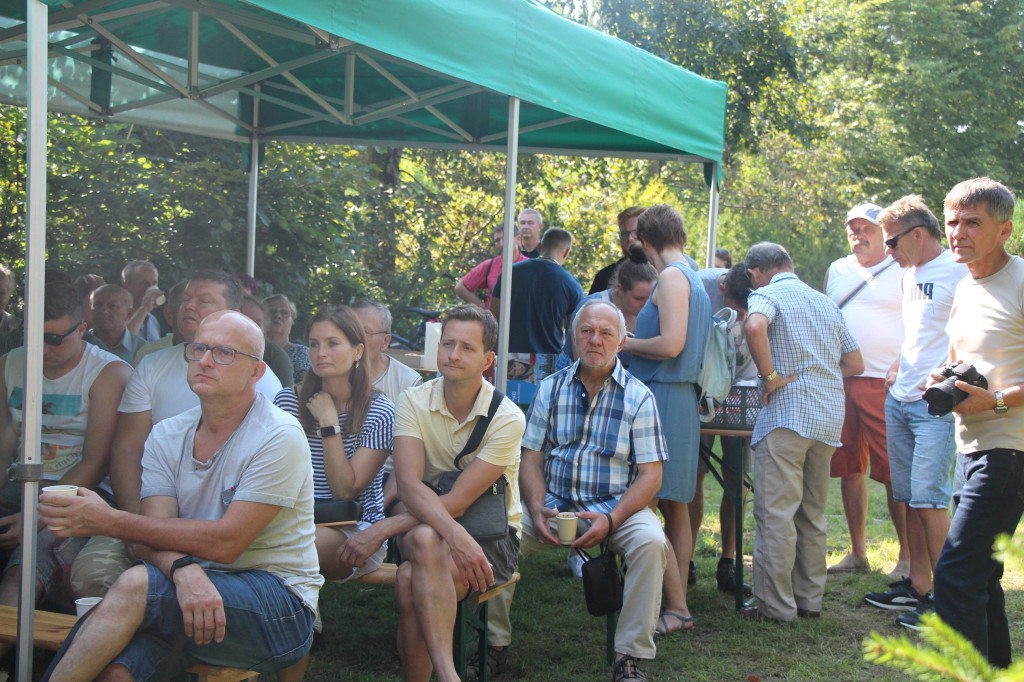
(915, 627)
(891, 607)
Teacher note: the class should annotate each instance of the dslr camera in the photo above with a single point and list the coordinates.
(944, 396)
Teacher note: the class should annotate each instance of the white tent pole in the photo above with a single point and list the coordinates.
(712, 218)
(35, 260)
(254, 183)
(507, 255)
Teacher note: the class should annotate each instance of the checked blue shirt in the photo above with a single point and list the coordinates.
(807, 335)
(592, 444)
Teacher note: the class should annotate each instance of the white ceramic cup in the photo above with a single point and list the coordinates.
(567, 527)
(85, 604)
(60, 490)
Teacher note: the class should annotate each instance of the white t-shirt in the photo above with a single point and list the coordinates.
(65, 407)
(160, 384)
(927, 299)
(986, 329)
(396, 378)
(265, 460)
(873, 315)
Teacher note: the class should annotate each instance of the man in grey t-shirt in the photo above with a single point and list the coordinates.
(227, 505)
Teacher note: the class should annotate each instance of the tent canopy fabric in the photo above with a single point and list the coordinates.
(434, 73)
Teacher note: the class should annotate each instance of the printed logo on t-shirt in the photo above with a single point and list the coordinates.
(924, 291)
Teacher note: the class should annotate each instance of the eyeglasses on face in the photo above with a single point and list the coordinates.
(893, 242)
(57, 339)
(222, 355)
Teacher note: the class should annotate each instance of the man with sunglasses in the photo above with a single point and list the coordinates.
(227, 506)
(81, 388)
(865, 286)
(157, 390)
(921, 446)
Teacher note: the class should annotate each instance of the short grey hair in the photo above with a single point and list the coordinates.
(129, 270)
(768, 256)
(540, 218)
(382, 312)
(596, 302)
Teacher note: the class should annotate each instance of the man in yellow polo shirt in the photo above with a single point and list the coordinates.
(441, 562)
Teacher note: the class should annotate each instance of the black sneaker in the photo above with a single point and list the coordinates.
(691, 577)
(726, 577)
(901, 597)
(497, 663)
(912, 620)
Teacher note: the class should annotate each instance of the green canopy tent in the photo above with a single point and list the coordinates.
(503, 75)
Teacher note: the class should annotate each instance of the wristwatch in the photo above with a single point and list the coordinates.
(771, 377)
(180, 562)
(327, 431)
(1000, 407)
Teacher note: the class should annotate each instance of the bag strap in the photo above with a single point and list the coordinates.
(863, 284)
(480, 429)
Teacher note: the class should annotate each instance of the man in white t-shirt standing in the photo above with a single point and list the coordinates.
(865, 286)
(921, 446)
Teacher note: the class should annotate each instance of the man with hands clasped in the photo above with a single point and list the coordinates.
(594, 446)
(227, 505)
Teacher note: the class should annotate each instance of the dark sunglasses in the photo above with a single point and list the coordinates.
(57, 339)
(892, 242)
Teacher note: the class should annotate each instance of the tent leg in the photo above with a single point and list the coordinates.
(35, 261)
(254, 182)
(507, 257)
(712, 218)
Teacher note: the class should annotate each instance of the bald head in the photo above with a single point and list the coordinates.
(234, 329)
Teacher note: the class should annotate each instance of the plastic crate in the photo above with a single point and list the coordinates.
(739, 412)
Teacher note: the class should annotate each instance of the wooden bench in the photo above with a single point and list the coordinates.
(470, 617)
(51, 629)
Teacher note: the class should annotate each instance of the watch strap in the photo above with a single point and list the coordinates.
(1000, 407)
(181, 562)
(770, 377)
(328, 431)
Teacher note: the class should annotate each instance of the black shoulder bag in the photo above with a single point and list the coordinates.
(602, 581)
(487, 517)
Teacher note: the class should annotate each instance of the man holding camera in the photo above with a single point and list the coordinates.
(986, 330)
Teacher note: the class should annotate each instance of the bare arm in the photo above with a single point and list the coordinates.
(851, 364)
(346, 477)
(138, 318)
(126, 458)
(468, 296)
(756, 330)
(104, 397)
(533, 491)
(673, 300)
(495, 305)
(8, 436)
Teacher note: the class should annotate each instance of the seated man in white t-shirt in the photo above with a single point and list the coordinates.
(82, 384)
(158, 390)
(227, 507)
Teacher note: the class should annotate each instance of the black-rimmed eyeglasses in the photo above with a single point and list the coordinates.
(222, 355)
(893, 242)
(57, 339)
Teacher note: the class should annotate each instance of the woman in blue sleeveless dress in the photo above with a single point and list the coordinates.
(667, 349)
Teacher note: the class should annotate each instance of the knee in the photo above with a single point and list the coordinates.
(132, 585)
(425, 544)
(403, 588)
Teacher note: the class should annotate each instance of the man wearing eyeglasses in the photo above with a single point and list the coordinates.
(865, 286)
(81, 388)
(390, 377)
(227, 506)
(157, 390)
(921, 446)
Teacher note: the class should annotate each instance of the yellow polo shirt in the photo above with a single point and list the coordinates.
(421, 412)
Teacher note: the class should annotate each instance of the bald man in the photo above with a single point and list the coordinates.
(233, 576)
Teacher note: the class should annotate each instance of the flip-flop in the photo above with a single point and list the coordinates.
(663, 629)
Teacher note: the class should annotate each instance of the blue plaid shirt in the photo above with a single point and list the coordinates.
(807, 335)
(592, 444)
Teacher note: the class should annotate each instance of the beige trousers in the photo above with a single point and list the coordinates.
(791, 475)
(640, 541)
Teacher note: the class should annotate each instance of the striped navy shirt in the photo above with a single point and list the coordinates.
(376, 434)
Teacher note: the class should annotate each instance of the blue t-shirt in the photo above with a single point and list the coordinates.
(543, 294)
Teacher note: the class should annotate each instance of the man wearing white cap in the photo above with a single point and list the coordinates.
(866, 287)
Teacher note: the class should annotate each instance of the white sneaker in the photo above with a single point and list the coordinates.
(574, 562)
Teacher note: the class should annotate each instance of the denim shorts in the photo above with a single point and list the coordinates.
(267, 628)
(921, 454)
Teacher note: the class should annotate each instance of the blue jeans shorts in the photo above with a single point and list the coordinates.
(267, 628)
(921, 454)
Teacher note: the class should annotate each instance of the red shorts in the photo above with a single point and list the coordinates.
(863, 431)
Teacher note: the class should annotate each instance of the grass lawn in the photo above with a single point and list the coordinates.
(555, 639)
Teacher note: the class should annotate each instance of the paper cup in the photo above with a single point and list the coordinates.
(60, 490)
(85, 604)
(567, 527)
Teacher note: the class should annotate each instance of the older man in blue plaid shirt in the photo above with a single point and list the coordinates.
(594, 445)
(803, 350)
